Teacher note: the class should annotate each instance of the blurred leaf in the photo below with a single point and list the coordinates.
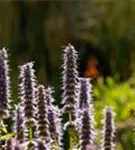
(8, 135)
(4, 130)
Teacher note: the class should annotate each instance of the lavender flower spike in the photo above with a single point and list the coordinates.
(17, 145)
(42, 118)
(4, 84)
(85, 97)
(49, 95)
(86, 134)
(40, 145)
(55, 127)
(18, 122)
(28, 98)
(12, 144)
(8, 144)
(69, 79)
(54, 118)
(108, 130)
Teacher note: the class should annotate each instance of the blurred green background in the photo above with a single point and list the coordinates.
(103, 31)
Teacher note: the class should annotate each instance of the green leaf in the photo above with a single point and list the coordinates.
(4, 130)
(8, 135)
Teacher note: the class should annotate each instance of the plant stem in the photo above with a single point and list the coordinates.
(30, 133)
(70, 136)
(3, 129)
(30, 138)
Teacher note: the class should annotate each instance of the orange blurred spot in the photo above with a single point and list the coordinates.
(92, 70)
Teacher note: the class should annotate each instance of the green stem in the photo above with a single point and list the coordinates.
(2, 129)
(70, 136)
(30, 138)
(0, 140)
(30, 133)
(70, 117)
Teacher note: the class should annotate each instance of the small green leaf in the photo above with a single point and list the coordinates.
(4, 130)
(8, 135)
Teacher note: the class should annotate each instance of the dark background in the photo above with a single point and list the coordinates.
(37, 30)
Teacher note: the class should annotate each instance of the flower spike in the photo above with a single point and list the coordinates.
(108, 129)
(18, 122)
(42, 111)
(28, 95)
(85, 97)
(70, 80)
(4, 84)
(86, 134)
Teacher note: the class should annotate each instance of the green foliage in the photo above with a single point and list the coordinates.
(121, 96)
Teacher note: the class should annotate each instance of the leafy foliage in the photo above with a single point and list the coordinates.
(121, 97)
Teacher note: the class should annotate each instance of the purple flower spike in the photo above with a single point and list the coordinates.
(18, 122)
(4, 84)
(55, 127)
(108, 129)
(40, 145)
(12, 144)
(54, 118)
(70, 80)
(49, 95)
(8, 144)
(42, 111)
(85, 97)
(86, 134)
(27, 95)
(17, 146)
(29, 145)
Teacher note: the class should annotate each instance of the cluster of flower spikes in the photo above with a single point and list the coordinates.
(36, 103)
(45, 116)
(37, 121)
(77, 99)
